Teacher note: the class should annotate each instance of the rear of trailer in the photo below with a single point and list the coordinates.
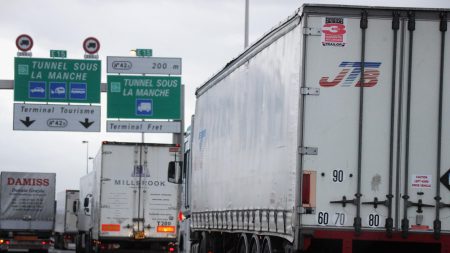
(293, 148)
(66, 218)
(130, 204)
(27, 203)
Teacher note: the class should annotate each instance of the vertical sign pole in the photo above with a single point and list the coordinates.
(143, 133)
(246, 24)
(178, 138)
(142, 138)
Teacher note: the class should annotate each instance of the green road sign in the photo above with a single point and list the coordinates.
(58, 53)
(144, 52)
(57, 80)
(144, 97)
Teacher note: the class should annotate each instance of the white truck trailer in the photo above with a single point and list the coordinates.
(66, 218)
(126, 202)
(27, 203)
(329, 134)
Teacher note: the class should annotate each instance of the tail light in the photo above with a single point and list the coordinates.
(181, 216)
(4, 242)
(165, 229)
(309, 189)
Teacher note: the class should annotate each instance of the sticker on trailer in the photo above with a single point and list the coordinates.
(325, 218)
(350, 74)
(375, 220)
(111, 227)
(421, 181)
(334, 32)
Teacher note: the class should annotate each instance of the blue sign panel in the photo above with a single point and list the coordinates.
(144, 107)
(37, 90)
(78, 91)
(57, 90)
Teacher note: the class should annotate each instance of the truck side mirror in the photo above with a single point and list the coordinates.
(86, 202)
(174, 172)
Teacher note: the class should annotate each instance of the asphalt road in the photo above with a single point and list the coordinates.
(52, 250)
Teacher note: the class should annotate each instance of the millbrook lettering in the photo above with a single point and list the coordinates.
(136, 182)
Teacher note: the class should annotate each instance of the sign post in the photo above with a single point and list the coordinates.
(144, 97)
(143, 65)
(24, 43)
(56, 117)
(91, 46)
(57, 80)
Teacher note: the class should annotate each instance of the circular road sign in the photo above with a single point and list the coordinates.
(91, 45)
(24, 42)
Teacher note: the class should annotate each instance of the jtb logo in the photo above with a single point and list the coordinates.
(350, 75)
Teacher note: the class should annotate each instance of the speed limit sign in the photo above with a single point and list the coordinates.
(24, 42)
(91, 45)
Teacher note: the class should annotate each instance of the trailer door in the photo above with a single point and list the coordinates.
(121, 212)
(348, 122)
(424, 182)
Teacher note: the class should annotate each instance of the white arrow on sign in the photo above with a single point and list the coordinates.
(45, 117)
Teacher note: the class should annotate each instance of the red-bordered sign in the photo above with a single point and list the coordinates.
(91, 45)
(24, 42)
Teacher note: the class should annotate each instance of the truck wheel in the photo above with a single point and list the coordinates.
(267, 245)
(243, 244)
(88, 243)
(56, 242)
(255, 244)
(194, 248)
(78, 243)
(205, 243)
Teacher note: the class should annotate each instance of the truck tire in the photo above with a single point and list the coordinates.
(88, 243)
(243, 244)
(206, 243)
(56, 241)
(194, 248)
(78, 248)
(267, 245)
(255, 244)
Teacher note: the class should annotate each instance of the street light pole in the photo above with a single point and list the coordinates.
(246, 24)
(87, 155)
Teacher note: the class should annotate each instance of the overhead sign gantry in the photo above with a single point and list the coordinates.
(56, 80)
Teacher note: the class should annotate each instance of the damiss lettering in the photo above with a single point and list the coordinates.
(29, 181)
(137, 182)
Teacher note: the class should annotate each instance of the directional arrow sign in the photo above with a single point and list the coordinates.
(86, 123)
(27, 122)
(46, 117)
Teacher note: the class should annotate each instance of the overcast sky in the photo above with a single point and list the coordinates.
(206, 34)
